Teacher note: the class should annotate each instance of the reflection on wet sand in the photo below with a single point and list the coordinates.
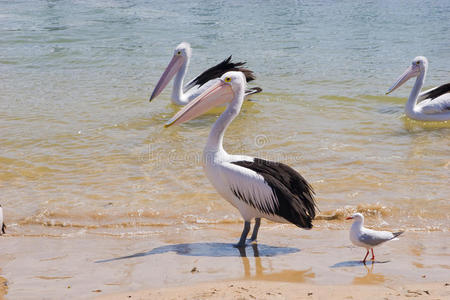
(370, 277)
(284, 275)
(355, 263)
(417, 250)
(228, 250)
(3, 287)
(418, 264)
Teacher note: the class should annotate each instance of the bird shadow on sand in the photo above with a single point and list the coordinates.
(355, 263)
(212, 250)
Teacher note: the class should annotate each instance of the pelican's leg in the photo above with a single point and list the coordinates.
(255, 229)
(373, 255)
(244, 234)
(364, 260)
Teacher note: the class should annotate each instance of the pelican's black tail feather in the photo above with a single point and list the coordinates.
(218, 70)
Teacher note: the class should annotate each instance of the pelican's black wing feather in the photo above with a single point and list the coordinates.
(294, 194)
(434, 93)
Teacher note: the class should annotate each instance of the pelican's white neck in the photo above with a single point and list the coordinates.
(178, 96)
(214, 144)
(414, 95)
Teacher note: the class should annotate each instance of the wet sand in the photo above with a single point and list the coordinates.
(287, 290)
(201, 263)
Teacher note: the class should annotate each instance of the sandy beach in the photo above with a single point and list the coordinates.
(192, 264)
(285, 290)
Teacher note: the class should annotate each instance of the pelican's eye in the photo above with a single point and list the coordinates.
(227, 79)
(179, 53)
(417, 62)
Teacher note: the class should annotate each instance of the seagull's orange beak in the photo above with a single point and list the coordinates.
(349, 218)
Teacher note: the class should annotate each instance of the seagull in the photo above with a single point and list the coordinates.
(430, 105)
(256, 187)
(368, 238)
(1, 221)
(183, 94)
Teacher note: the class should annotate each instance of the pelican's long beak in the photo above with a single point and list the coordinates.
(410, 72)
(172, 69)
(216, 95)
(349, 218)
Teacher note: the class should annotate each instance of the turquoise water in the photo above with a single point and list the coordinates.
(81, 146)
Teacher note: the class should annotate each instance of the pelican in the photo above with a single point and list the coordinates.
(257, 188)
(430, 105)
(182, 95)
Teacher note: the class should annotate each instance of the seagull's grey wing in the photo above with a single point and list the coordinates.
(374, 238)
(371, 240)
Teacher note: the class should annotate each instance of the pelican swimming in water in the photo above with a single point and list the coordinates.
(257, 188)
(430, 105)
(183, 94)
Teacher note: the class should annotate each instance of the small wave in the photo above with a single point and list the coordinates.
(95, 219)
(383, 216)
(391, 110)
(69, 224)
(368, 210)
(339, 98)
(116, 219)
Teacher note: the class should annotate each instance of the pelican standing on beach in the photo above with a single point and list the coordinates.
(430, 105)
(182, 95)
(368, 238)
(257, 188)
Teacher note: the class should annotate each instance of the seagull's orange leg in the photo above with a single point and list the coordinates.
(373, 255)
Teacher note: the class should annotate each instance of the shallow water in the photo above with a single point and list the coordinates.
(83, 151)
